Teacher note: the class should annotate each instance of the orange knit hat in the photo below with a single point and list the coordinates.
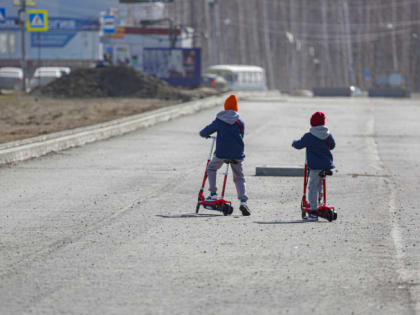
(231, 103)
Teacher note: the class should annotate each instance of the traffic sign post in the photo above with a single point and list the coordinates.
(37, 21)
(108, 25)
(2, 15)
(28, 3)
(22, 17)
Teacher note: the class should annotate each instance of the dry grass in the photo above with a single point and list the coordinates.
(28, 116)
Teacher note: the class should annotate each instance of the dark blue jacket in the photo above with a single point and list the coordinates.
(230, 132)
(318, 143)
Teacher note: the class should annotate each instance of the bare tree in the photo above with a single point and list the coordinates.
(288, 37)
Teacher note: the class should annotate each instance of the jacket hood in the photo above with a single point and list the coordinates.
(228, 116)
(321, 132)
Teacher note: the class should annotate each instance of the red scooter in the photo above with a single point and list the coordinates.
(324, 211)
(220, 204)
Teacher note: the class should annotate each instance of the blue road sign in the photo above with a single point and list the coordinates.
(109, 24)
(2, 15)
(37, 21)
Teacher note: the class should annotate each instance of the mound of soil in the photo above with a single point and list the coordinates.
(118, 81)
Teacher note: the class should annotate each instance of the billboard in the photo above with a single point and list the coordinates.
(61, 31)
(177, 66)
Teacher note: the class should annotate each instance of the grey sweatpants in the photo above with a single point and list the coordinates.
(238, 176)
(314, 187)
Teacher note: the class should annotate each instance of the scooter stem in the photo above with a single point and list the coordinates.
(224, 180)
(212, 147)
(208, 161)
(305, 179)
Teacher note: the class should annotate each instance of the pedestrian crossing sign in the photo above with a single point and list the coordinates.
(2, 15)
(37, 21)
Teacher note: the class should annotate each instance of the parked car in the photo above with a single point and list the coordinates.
(213, 80)
(44, 75)
(11, 78)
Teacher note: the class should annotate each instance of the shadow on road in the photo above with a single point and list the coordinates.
(188, 215)
(287, 222)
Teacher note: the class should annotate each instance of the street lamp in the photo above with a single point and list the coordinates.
(213, 35)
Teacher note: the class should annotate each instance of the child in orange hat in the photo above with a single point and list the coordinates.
(229, 146)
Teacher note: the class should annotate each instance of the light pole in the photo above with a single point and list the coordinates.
(22, 22)
(213, 33)
(349, 43)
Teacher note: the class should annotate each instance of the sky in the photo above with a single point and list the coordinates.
(67, 8)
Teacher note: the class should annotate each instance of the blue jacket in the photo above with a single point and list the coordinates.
(230, 132)
(318, 143)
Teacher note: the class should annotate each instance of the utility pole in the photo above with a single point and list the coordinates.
(349, 43)
(22, 22)
(267, 47)
(395, 63)
(241, 33)
(213, 32)
(293, 74)
(173, 36)
(326, 62)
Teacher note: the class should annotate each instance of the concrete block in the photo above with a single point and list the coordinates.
(280, 171)
(388, 92)
(332, 91)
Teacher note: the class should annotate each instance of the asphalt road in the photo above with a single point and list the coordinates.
(110, 228)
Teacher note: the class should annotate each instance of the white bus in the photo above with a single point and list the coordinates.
(241, 77)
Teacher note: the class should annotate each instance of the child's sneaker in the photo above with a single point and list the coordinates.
(244, 209)
(212, 197)
(312, 217)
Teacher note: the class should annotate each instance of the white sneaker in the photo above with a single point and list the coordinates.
(211, 197)
(312, 218)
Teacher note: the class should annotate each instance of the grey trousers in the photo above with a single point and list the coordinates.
(314, 187)
(238, 176)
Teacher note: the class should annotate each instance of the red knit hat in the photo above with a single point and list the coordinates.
(231, 103)
(318, 119)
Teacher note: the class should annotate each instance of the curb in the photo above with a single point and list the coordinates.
(38, 146)
(280, 171)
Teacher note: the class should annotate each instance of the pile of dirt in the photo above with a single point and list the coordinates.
(118, 81)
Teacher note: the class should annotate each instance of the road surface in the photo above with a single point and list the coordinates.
(110, 228)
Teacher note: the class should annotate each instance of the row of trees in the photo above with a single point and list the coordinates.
(310, 43)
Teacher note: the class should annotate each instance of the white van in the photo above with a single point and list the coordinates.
(241, 77)
(44, 75)
(11, 78)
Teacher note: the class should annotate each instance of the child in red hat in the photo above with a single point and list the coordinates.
(318, 143)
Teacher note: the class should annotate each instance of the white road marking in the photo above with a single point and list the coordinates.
(405, 274)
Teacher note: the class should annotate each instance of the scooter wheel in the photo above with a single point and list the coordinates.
(198, 207)
(302, 209)
(335, 216)
(330, 215)
(227, 210)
